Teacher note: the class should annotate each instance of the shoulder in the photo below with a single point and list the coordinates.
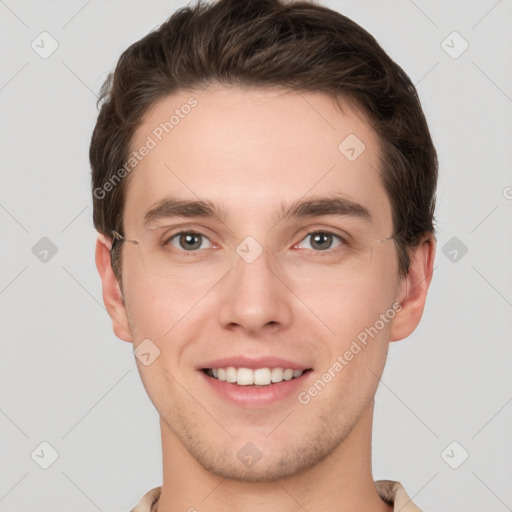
(394, 493)
(148, 500)
(390, 491)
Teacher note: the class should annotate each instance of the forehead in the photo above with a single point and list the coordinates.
(251, 149)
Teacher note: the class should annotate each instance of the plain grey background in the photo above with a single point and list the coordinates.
(66, 380)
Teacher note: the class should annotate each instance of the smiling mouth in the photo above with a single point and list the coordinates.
(259, 377)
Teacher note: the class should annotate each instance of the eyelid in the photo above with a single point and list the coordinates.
(171, 231)
(308, 230)
(344, 238)
(168, 238)
(193, 228)
(342, 241)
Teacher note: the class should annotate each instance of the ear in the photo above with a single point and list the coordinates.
(112, 296)
(412, 290)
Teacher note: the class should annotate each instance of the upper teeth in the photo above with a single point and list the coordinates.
(260, 376)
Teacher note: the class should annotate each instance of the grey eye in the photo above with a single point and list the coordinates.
(321, 240)
(188, 240)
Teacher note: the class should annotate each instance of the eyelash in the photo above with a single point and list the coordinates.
(326, 252)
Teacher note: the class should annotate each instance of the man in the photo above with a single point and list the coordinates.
(264, 191)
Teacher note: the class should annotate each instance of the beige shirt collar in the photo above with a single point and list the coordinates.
(390, 491)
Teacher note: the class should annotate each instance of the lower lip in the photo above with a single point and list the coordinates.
(256, 396)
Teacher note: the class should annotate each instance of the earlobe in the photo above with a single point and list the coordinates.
(412, 293)
(112, 296)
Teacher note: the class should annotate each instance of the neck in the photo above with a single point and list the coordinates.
(341, 481)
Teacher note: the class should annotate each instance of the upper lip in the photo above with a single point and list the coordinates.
(253, 363)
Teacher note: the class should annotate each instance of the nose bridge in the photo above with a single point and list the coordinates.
(255, 294)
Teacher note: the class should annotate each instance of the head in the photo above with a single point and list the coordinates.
(249, 108)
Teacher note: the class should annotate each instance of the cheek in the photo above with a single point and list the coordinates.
(167, 312)
(146, 306)
(344, 309)
(154, 307)
(355, 352)
(354, 356)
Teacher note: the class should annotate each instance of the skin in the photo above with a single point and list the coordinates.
(250, 149)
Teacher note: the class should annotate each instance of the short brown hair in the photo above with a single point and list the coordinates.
(299, 46)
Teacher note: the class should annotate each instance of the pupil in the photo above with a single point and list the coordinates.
(190, 241)
(319, 236)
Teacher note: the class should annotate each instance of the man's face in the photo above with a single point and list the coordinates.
(305, 298)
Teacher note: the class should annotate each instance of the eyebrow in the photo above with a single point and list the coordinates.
(301, 209)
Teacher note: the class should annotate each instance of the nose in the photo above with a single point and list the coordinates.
(255, 296)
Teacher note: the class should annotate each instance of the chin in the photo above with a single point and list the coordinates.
(261, 472)
(248, 464)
